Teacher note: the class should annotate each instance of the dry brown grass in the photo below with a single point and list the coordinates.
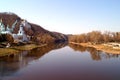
(27, 47)
(7, 51)
(17, 49)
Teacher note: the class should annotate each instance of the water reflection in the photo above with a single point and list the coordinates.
(95, 54)
(11, 64)
(67, 63)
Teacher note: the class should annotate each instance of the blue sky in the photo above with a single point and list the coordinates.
(68, 16)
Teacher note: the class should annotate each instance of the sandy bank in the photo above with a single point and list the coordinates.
(103, 47)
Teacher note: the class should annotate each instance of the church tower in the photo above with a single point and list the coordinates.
(21, 31)
(2, 28)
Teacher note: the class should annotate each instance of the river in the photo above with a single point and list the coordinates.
(61, 62)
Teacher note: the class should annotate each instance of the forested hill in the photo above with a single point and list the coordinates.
(36, 33)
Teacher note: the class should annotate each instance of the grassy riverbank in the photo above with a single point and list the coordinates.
(103, 47)
(17, 49)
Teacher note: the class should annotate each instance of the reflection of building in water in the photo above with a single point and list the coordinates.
(11, 64)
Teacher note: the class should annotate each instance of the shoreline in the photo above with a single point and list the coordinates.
(102, 47)
(18, 49)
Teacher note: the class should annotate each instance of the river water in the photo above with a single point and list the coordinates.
(61, 62)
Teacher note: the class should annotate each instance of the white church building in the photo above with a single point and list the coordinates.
(20, 36)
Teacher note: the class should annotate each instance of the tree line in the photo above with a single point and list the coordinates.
(96, 37)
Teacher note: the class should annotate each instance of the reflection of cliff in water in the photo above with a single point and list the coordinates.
(95, 54)
(10, 64)
(39, 52)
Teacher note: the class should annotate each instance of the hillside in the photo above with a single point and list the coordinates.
(18, 29)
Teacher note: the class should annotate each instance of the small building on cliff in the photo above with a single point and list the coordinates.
(21, 36)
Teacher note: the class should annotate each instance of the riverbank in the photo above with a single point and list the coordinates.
(102, 47)
(17, 49)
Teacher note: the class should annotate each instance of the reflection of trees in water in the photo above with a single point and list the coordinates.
(10, 64)
(95, 54)
(77, 47)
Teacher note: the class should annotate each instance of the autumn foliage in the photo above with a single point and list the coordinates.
(96, 37)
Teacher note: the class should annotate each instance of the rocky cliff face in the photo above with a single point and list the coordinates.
(16, 28)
